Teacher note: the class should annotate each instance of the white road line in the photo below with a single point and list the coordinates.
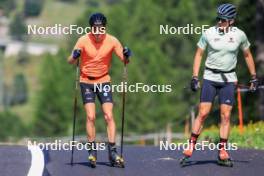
(37, 161)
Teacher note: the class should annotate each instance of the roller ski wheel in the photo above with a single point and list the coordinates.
(224, 159)
(114, 158)
(118, 162)
(186, 155)
(92, 159)
(184, 161)
(225, 162)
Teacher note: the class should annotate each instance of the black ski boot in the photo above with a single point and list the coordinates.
(114, 158)
(92, 157)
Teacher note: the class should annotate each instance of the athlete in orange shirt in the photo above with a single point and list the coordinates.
(95, 50)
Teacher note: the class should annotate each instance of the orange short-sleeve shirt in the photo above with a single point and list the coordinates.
(96, 57)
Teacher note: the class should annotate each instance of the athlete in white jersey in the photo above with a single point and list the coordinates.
(223, 43)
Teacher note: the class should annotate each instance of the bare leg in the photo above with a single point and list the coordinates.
(90, 121)
(111, 127)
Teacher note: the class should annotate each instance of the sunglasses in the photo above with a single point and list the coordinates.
(221, 20)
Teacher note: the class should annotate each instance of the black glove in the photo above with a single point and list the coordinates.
(253, 83)
(195, 84)
(76, 53)
(127, 53)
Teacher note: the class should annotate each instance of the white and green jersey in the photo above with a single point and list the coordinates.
(222, 50)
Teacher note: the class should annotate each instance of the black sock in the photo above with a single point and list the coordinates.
(193, 138)
(92, 145)
(111, 144)
(223, 143)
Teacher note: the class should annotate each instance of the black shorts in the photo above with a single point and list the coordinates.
(102, 90)
(225, 92)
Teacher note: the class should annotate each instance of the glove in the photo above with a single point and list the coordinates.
(195, 84)
(253, 83)
(76, 53)
(127, 53)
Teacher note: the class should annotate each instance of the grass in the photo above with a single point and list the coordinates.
(252, 136)
(30, 70)
(53, 12)
(56, 12)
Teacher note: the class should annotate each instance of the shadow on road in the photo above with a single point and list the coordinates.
(190, 163)
(89, 165)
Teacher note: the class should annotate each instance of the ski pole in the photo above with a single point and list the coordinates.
(123, 107)
(75, 108)
(247, 89)
(242, 88)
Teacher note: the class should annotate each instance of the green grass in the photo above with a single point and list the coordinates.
(30, 70)
(53, 12)
(252, 136)
(56, 12)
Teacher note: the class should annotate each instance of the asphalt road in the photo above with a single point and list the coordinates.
(140, 161)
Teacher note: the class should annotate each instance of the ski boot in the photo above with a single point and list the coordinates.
(224, 159)
(114, 158)
(92, 157)
(187, 154)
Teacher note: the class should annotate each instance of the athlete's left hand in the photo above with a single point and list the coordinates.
(76, 53)
(253, 83)
(127, 53)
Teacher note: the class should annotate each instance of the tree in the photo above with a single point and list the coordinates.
(7, 6)
(260, 51)
(33, 7)
(11, 126)
(54, 111)
(17, 27)
(20, 92)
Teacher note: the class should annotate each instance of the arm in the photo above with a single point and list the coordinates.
(251, 67)
(118, 49)
(76, 53)
(122, 53)
(71, 60)
(250, 62)
(75, 56)
(197, 61)
(196, 67)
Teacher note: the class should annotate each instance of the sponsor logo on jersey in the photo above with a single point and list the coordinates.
(231, 40)
(216, 39)
(87, 91)
(228, 101)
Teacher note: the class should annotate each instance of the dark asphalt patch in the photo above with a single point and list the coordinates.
(14, 160)
(144, 161)
(139, 161)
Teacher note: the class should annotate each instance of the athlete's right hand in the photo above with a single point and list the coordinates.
(253, 83)
(76, 53)
(195, 85)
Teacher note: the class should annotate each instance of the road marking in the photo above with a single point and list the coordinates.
(37, 161)
(166, 159)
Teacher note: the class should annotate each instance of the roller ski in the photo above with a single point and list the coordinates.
(114, 158)
(187, 154)
(92, 158)
(184, 161)
(224, 159)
